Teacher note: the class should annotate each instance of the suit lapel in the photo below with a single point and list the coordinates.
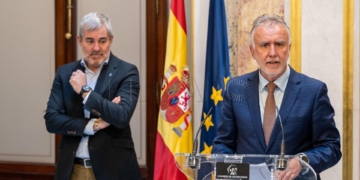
(78, 66)
(291, 93)
(254, 107)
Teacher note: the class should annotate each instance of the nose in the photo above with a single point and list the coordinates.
(272, 52)
(96, 46)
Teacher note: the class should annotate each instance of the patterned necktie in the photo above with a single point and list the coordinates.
(269, 112)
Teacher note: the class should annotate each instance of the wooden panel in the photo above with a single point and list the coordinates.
(156, 31)
(26, 48)
(25, 170)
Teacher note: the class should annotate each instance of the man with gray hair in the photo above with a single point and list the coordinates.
(249, 122)
(90, 105)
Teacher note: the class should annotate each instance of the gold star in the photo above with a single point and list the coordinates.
(216, 95)
(208, 121)
(207, 149)
(225, 81)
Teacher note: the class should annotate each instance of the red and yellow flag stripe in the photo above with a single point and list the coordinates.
(175, 127)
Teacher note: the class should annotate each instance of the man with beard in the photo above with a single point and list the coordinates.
(249, 125)
(90, 105)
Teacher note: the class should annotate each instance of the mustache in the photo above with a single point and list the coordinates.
(96, 53)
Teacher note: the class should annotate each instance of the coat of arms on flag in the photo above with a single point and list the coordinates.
(175, 101)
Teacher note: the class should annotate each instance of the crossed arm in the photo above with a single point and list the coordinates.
(100, 123)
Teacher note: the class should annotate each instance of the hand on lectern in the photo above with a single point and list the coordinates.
(291, 172)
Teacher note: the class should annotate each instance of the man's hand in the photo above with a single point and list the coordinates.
(77, 80)
(116, 100)
(101, 124)
(291, 172)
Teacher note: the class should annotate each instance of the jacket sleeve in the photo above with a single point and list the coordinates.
(326, 137)
(63, 120)
(128, 88)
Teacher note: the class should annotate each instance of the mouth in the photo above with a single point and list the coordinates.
(95, 54)
(273, 64)
(95, 57)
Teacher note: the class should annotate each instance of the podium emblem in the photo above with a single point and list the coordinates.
(239, 171)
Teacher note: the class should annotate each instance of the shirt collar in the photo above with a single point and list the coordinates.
(280, 82)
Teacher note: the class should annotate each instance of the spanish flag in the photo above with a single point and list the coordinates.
(175, 127)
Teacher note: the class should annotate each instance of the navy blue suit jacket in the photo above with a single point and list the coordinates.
(306, 113)
(111, 149)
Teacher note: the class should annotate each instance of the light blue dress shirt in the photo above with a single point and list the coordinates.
(91, 79)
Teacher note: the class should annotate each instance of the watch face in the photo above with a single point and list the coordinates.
(86, 88)
(304, 158)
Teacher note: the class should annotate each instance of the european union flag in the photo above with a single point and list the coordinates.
(217, 74)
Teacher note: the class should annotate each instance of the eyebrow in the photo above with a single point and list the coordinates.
(90, 38)
(267, 42)
(280, 41)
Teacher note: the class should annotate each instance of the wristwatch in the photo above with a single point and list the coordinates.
(303, 157)
(84, 89)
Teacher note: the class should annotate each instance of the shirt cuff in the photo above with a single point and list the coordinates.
(86, 97)
(89, 129)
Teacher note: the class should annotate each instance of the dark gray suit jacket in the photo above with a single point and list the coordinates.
(306, 113)
(111, 150)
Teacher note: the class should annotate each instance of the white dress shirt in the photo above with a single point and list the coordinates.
(281, 83)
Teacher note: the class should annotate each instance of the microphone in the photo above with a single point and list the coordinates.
(193, 161)
(281, 162)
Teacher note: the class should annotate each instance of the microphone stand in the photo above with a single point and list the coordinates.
(193, 161)
(281, 162)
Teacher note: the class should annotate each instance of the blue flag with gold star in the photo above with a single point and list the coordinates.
(217, 74)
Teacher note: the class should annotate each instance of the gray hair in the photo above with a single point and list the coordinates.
(265, 18)
(93, 21)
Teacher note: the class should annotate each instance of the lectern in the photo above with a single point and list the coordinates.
(242, 167)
